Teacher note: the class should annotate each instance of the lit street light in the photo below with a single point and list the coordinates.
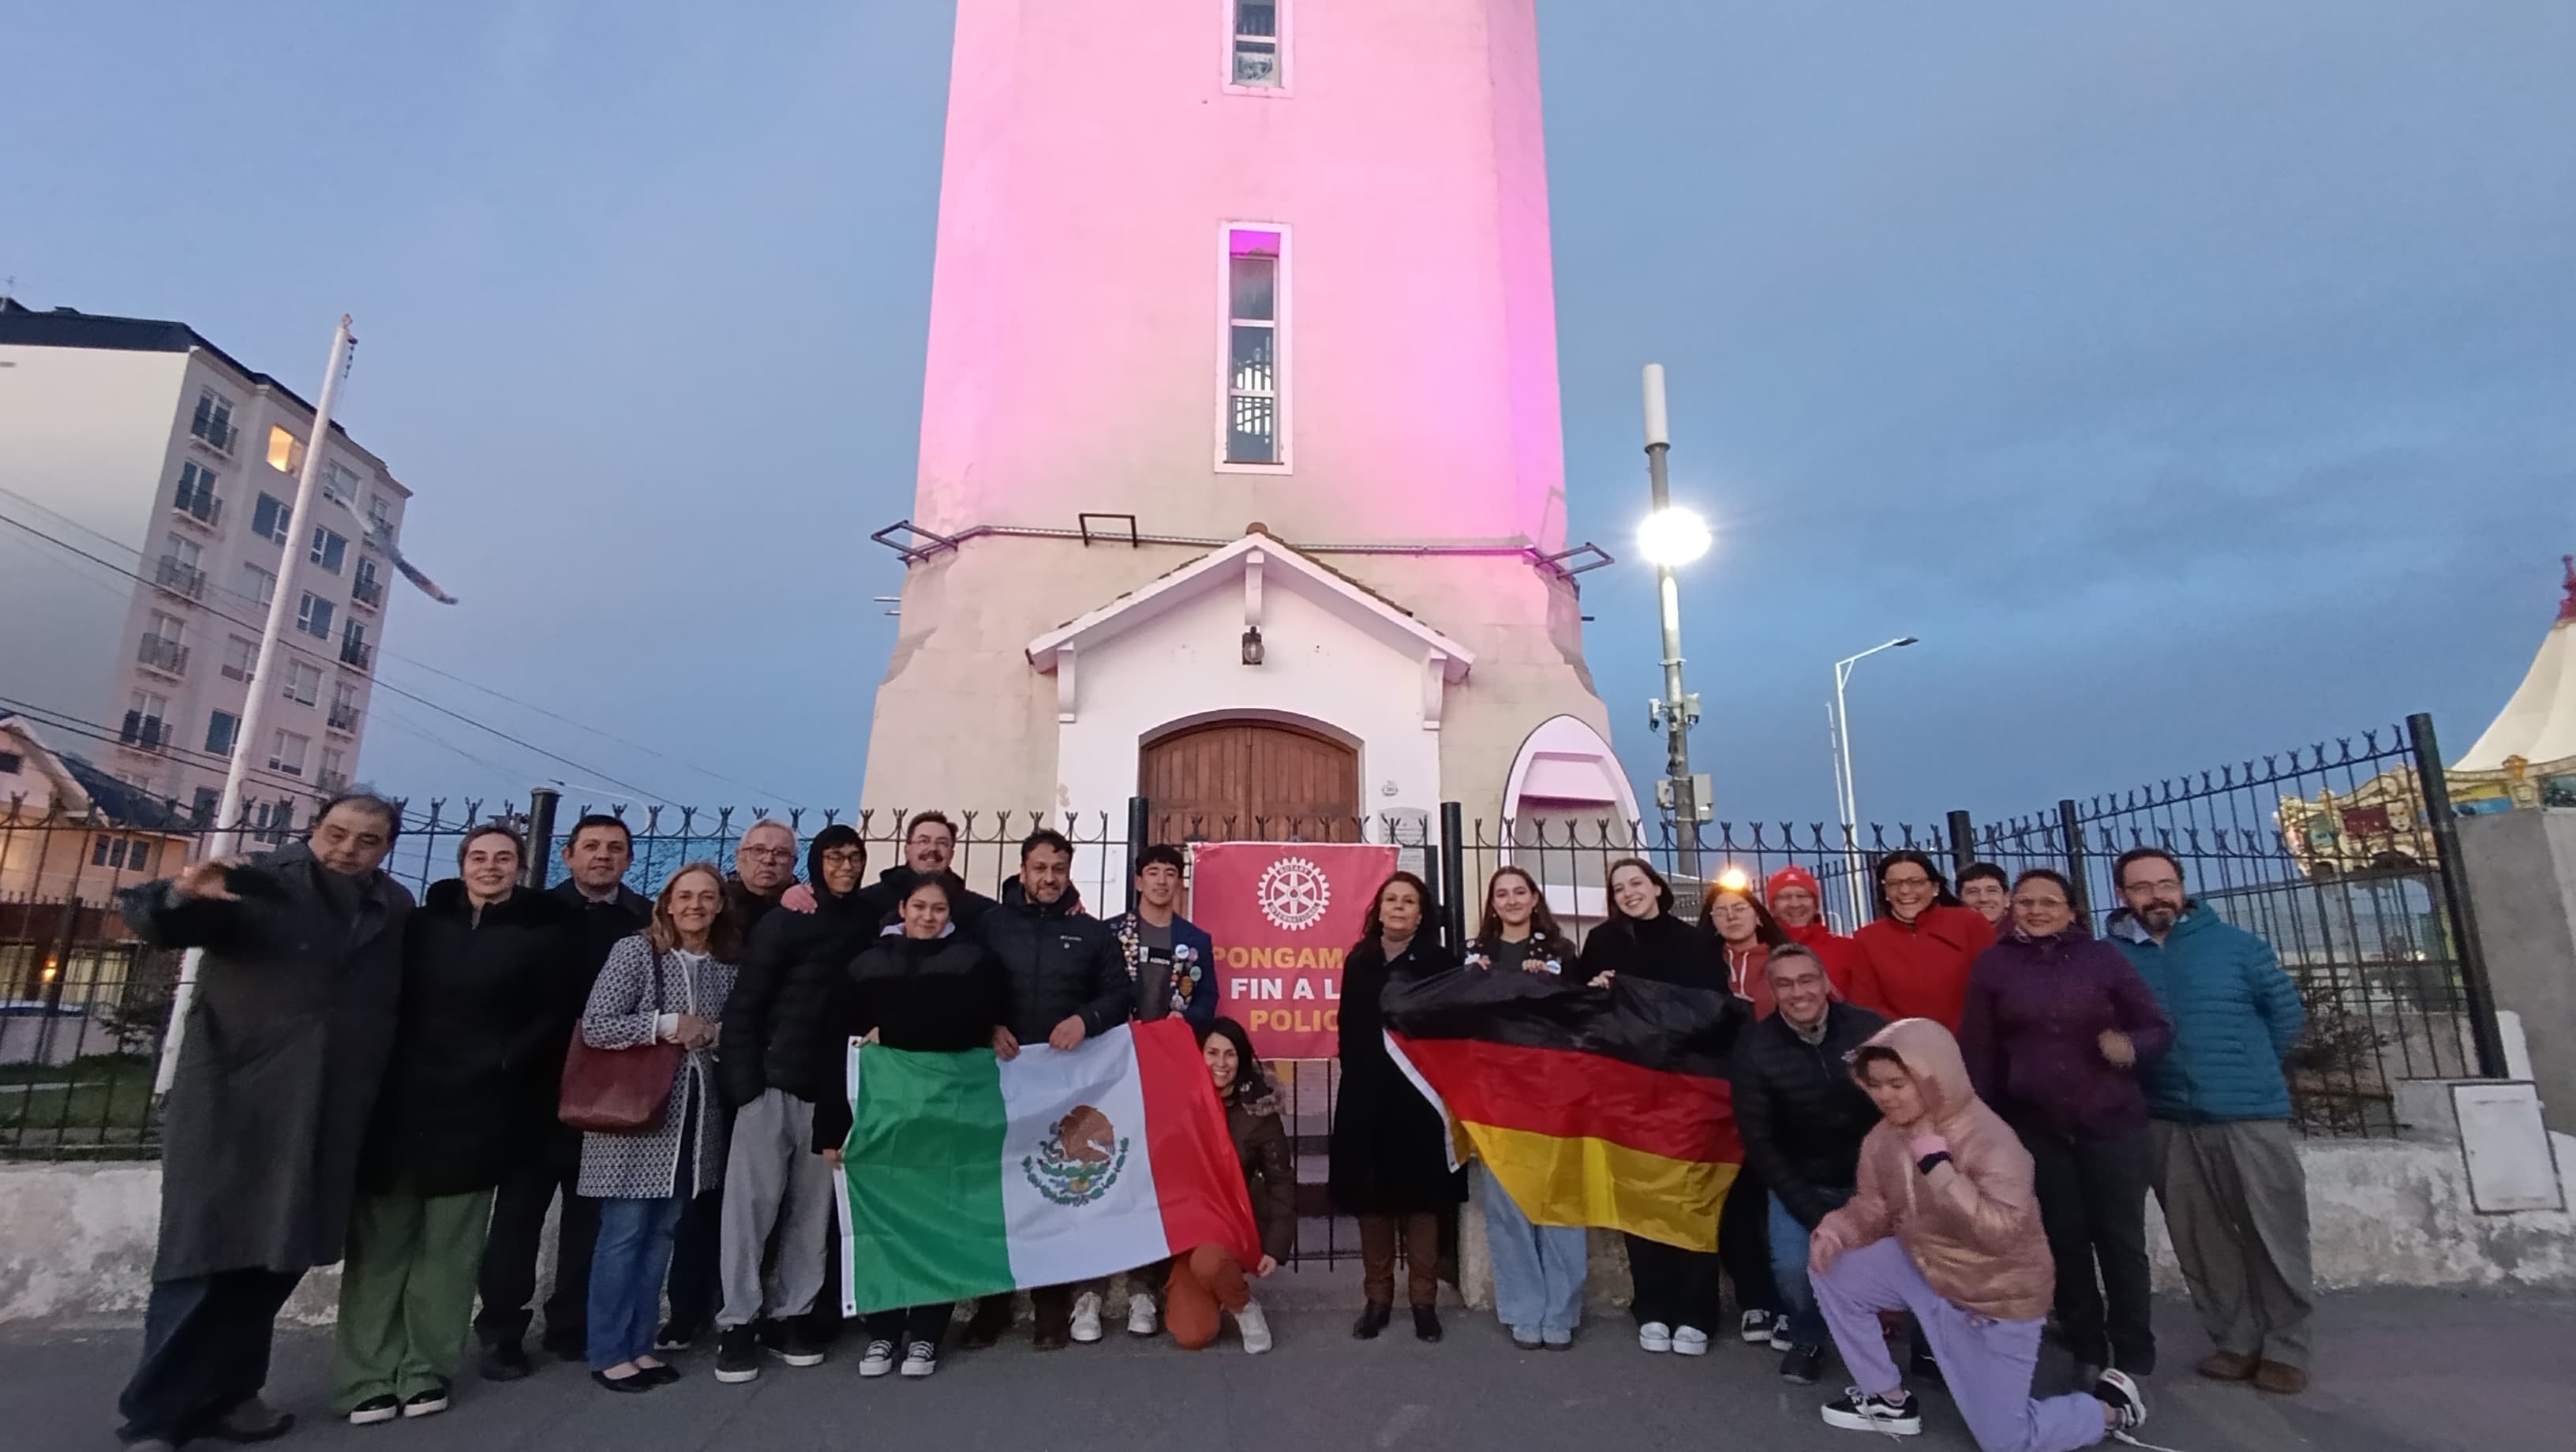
(1844, 795)
(1669, 538)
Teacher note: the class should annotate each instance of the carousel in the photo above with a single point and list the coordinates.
(2525, 758)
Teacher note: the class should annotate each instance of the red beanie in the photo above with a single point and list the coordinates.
(1791, 877)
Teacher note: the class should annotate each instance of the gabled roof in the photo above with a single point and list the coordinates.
(1218, 569)
(81, 789)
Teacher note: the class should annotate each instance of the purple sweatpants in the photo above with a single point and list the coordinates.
(1987, 1363)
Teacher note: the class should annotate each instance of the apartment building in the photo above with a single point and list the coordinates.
(154, 476)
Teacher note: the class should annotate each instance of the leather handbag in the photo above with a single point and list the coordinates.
(620, 1091)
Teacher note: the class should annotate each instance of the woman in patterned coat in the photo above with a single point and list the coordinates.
(664, 985)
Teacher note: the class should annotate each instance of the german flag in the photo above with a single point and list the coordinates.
(1590, 1106)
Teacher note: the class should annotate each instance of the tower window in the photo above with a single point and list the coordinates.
(1255, 266)
(1255, 55)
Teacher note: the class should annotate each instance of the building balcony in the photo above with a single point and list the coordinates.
(168, 657)
(232, 672)
(199, 508)
(358, 653)
(368, 593)
(183, 580)
(143, 733)
(332, 782)
(343, 719)
(218, 437)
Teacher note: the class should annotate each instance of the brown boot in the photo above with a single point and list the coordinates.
(2280, 1379)
(2227, 1366)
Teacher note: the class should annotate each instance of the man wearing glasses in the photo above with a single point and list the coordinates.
(2224, 1163)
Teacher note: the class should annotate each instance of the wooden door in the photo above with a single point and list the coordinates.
(1238, 781)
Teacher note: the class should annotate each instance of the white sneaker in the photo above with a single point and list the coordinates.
(2132, 1404)
(920, 1359)
(1254, 1326)
(1689, 1341)
(1086, 1316)
(878, 1360)
(1655, 1336)
(1140, 1315)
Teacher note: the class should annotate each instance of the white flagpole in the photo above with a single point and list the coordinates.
(229, 811)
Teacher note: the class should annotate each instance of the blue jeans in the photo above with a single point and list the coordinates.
(1789, 1270)
(1538, 1269)
(626, 1271)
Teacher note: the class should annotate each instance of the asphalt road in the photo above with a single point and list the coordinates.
(2493, 1371)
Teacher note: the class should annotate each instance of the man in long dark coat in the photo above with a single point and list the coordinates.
(286, 1045)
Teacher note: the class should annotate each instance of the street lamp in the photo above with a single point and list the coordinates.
(1669, 538)
(1843, 792)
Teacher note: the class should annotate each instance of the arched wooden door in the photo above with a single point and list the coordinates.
(1249, 781)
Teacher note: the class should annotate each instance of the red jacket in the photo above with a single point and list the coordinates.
(1839, 954)
(1751, 980)
(1920, 970)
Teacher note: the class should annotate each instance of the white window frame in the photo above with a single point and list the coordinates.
(303, 683)
(330, 549)
(279, 760)
(1282, 347)
(232, 733)
(185, 550)
(1226, 33)
(285, 517)
(267, 591)
(314, 609)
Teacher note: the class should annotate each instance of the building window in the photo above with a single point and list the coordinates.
(303, 682)
(328, 550)
(12, 762)
(1255, 355)
(221, 728)
(183, 550)
(1254, 58)
(259, 586)
(214, 420)
(285, 450)
(144, 713)
(271, 518)
(380, 513)
(202, 810)
(196, 496)
(239, 655)
(338, 482)
(335, 773)
(313, 616)
(364, 588)
(122, 852)
(271, 821)
(286, 753)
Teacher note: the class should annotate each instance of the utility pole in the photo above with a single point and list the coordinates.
(1671, 538)
(262, 693)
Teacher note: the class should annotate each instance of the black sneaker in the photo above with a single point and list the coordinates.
(506, 1361)
(426, 1404)
(2119, 1391)
(675, 1337)
(992, 1317)
(1802, 1365)
(737, 1355)
(375, 1410)
(796, 1344)
(1855, 1412)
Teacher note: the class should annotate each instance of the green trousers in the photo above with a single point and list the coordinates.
(407, 1293)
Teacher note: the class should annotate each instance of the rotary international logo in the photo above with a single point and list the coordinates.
(1078, 1160)
(1293, 894)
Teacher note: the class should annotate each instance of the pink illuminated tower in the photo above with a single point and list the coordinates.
(1242, 487)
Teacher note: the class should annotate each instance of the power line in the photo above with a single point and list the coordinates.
(54, 720)
(320, 659)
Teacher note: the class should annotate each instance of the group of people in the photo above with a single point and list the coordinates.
(1949, 1117)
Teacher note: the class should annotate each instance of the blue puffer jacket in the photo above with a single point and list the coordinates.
(2235, 1015)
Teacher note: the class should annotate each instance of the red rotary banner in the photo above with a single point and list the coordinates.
(1283, 914)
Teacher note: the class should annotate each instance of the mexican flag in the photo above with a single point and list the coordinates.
(965, 1176)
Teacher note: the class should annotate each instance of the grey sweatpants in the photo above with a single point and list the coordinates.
(774, 1180)
(2236, 1204)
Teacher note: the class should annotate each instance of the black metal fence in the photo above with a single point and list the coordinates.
(2332, 852)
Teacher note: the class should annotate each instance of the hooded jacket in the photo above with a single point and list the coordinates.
(1971, 1225)
(926, 995)
(2235, 1017)
(767, 1038)
(1919, 969)
(1056, 965)
(2031, 1032)
(895, 883)
(1832, 949)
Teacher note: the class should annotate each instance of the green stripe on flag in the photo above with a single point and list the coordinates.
(923, 1171)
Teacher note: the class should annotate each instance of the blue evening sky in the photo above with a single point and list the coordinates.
(2194, 378)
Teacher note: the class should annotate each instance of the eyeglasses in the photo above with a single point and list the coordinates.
(770, 854)
(1905, 882)
(2152, 884)
(2039, 902)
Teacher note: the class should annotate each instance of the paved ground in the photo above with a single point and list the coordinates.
(2492, 1372)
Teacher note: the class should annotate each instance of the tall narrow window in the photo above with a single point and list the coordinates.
(1257, 61)
(1253, 422)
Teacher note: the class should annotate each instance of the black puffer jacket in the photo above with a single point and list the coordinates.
(937, 995)
(1663, 948)
(1055, 965)
(767, 1038)
(477, 1056)
(895, 883)
(1800, 1115)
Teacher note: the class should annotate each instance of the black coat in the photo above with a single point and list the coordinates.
(476, 1073)
(749, 908)
(767, 1039)
(1799, 1113)
(597, 927)
(939, 995)
(1662, 947)
(287, 1039)
(965, 905)
(1056, 964)
(1390, 1152)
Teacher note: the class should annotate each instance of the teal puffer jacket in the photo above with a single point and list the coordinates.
(2235, 1015)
